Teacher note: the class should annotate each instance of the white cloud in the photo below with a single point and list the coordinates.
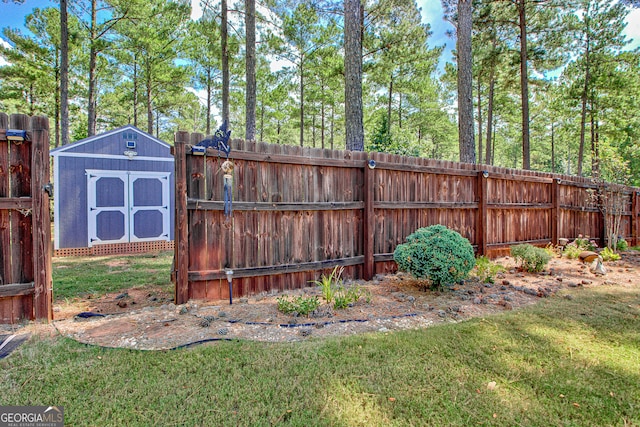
(196, 10)
(633, 28)
(8, 46)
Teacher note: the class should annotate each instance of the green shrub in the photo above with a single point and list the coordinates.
(300, 305)
(622, 245)
(531, 258)
(486, 269)
(609, 255)
(436, 253)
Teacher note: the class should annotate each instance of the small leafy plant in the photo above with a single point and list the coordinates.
(609, 255)
(531, 258)
(347, 297)
(300, 305)
(486, 270)
(329, 284)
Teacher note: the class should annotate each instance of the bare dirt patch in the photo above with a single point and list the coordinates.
(146, 318)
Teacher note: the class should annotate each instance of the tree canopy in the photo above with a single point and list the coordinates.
(550, 85)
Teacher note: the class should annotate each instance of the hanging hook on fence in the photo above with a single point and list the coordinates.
(227, 168)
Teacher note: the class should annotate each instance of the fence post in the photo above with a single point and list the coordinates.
(555, 210)
(41, 225)
(181, 244)
(481, 226)
(635, 211)
(369, 220)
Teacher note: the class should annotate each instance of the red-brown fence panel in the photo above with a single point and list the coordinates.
(299, 212)
(25, 228)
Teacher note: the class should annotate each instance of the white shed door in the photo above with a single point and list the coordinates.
(127, 206)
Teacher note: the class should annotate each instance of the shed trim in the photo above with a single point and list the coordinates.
(115, 157)
(57, 151)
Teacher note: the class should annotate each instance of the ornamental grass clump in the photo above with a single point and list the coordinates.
(436, 253)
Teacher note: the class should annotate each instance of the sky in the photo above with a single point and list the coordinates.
(13, 15)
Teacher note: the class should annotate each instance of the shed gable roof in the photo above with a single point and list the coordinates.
(94, 138)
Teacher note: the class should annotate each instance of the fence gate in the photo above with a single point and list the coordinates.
(25, 224)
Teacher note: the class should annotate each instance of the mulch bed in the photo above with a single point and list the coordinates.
(144, 318)
(396, 302)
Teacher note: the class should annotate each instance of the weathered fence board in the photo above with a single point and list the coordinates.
(25, 229)
(300, 212)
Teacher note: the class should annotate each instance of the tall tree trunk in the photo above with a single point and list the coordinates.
(553, 147)
(465, 83)
(64, 74)
(524, 85)
(399, 110)
(389, 104)
(595, 155)
(262, 120)
(301, 103)
(492, 83)
(149, 103)
(479, 121)
(584, 97)
(333, 121)
(313, 130)
(135, 90)
(354, 128)
(225, 62)
(91, 98)
(56, 112)
(208, 130)
(278, 132)
(32, 100)
(493, 143)
(250, 28)
(322, 124)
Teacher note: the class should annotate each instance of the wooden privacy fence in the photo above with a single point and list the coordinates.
(298, 212)
(25, 225)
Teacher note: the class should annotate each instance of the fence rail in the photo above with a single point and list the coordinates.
(25, 227)
(298, 212)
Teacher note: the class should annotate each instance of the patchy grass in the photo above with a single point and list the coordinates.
(98, 275)
(561, 362)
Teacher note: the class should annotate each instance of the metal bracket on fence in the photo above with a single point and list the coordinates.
(48, 188)
(16, 135)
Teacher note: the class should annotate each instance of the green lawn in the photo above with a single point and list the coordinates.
(561, 363)
(98, 275)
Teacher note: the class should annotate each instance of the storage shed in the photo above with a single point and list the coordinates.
(113, 191)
